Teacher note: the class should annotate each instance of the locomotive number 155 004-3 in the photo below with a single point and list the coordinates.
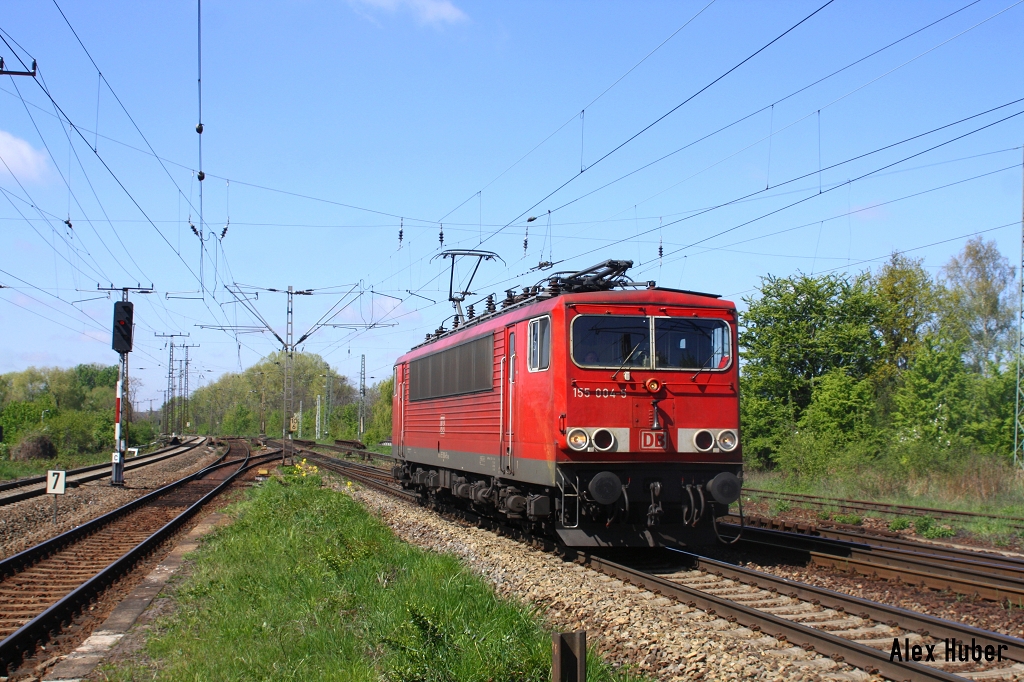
(578, 392)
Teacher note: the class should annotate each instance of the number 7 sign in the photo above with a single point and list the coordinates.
(55, 482)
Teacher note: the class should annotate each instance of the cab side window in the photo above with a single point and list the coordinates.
(540, 344)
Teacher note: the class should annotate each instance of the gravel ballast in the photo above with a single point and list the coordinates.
(633, 627)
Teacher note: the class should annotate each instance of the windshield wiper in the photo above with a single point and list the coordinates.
(702, 367)
(626, 360)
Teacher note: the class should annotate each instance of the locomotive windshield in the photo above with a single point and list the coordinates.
(690, 343)
(619, 341)
(611, 341)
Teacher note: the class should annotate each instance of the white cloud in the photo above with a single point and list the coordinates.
(434, 12)
(25, 162)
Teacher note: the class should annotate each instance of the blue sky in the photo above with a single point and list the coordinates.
(419, 110)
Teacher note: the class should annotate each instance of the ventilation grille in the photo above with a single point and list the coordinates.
(466, 368)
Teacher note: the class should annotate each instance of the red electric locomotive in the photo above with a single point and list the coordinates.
(593, 409)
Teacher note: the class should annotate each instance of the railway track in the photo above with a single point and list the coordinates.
(821, 502)
(846, 628)
(44, 588)
(366, 455)
(991, 576)
(35, 486)
(809, 618)
(368, 475)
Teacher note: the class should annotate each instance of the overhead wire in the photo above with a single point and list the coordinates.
(103, 162)
(661, 118)
(587, 106)
(851, 212)
(814, 112)
(152, 151)
(1015, 223)
(10, 198)
(836, 165)
(73, 195)
(848, 182)
(656, 121)
(118, 181)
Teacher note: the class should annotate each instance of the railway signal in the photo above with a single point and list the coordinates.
(123, 313)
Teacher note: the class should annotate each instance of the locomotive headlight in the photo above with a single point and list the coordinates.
(727, 440)
(703, 441)
(603, 440)
(577, 439)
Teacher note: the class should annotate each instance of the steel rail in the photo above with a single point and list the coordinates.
(990, 580)
(868, 505)
(306, 444)
(32, 480)
(923, 624)
(858, 655)
(39, 628)
(952, 553)
(82, 475)
(823, 642)
(350, 467)
(883, 539)
(369, 479)
(33, 554)
(921, 573)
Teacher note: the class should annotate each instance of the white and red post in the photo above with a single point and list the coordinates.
(117, 459)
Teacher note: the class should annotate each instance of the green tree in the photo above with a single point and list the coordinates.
(837, 427)
(27, 385)
(260, 387)
(980, 306)
(379, 428)
(799, 329)
(907, 310)
(77, 403)
(933, 404)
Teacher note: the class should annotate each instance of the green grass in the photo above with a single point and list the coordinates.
(306, 585)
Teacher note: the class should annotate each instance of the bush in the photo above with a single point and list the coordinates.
(34, 446)
(899, 524)
(75, 432)
(851, 519)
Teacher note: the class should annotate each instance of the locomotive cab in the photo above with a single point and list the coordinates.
(650, 446)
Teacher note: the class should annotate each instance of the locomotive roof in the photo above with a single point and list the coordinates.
(537, 304)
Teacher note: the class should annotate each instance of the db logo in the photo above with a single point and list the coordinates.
(652, 440)
(442, 425)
